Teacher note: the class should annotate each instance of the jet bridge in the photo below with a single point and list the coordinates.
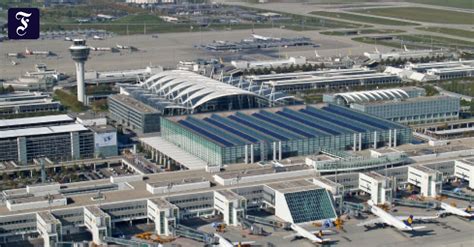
(49, 228)
(98, 223)
(464, 169)
(378, 186)
(428, 180)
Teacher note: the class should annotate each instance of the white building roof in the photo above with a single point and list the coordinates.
(189, 88)
(169, 149)
(35, 120)
(42, 131)
(373, 95)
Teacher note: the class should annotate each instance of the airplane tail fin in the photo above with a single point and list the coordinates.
(409, 220)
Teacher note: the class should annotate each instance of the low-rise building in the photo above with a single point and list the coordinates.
(27, 102)
(414, 110)
(407, 105)
(133, 114)
(240, 64)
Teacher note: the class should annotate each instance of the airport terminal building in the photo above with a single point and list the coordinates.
(249, 136)
(178, 92)
(408, 105)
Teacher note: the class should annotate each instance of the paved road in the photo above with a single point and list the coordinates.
(452, 94)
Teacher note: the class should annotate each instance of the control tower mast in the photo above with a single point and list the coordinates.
(80, 53)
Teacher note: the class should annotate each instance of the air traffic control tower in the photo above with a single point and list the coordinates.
(80, 52)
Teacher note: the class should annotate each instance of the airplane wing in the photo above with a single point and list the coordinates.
(371, 222)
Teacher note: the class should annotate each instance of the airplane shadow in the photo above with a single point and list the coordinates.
(421, 233)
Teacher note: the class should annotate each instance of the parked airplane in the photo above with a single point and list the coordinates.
(122, 47)
(96, 37)
(101, 48)
(67, 39)
(223, 242)
(30, 52)
(313, 236)
(452, 210)
(260, 37)
(13, 62)
(394, 221)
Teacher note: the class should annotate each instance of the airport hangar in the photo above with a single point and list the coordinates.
(249, 136)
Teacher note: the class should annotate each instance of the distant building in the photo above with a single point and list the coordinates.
(408, 105)
(423, 72)
(27, 102)
(452, 73)
(56, 137)
(269, 63)
(333, 78)
(424, 67)
(151, 1)
(406, 54)
(414, 110)
(122, 76)
(395, 94)
(42, 79)
(31, 83)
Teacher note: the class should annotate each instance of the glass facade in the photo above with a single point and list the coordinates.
(56, 147)
(414, 111)
(311, 205)
(238, 137)
(133, 114)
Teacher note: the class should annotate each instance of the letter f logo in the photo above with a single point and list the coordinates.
(23, 23)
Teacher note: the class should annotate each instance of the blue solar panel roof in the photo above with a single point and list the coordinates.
(241, 128)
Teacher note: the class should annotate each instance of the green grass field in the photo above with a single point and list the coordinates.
(465, 4)
(423, 14)
(314, 22)
(362, 31)
(361, 18)
(450, 31)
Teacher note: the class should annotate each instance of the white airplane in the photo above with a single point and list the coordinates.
(394, 221)
(223, 242)
(405, 48)
(314, 236)
(260, 37)
(31, 52)
(96, 37)
(13, 62)
(448, 209)
(100, 48)
(123, 47)
(67, 39)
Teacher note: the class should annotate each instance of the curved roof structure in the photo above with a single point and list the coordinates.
(373, 95)
(190, 89)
